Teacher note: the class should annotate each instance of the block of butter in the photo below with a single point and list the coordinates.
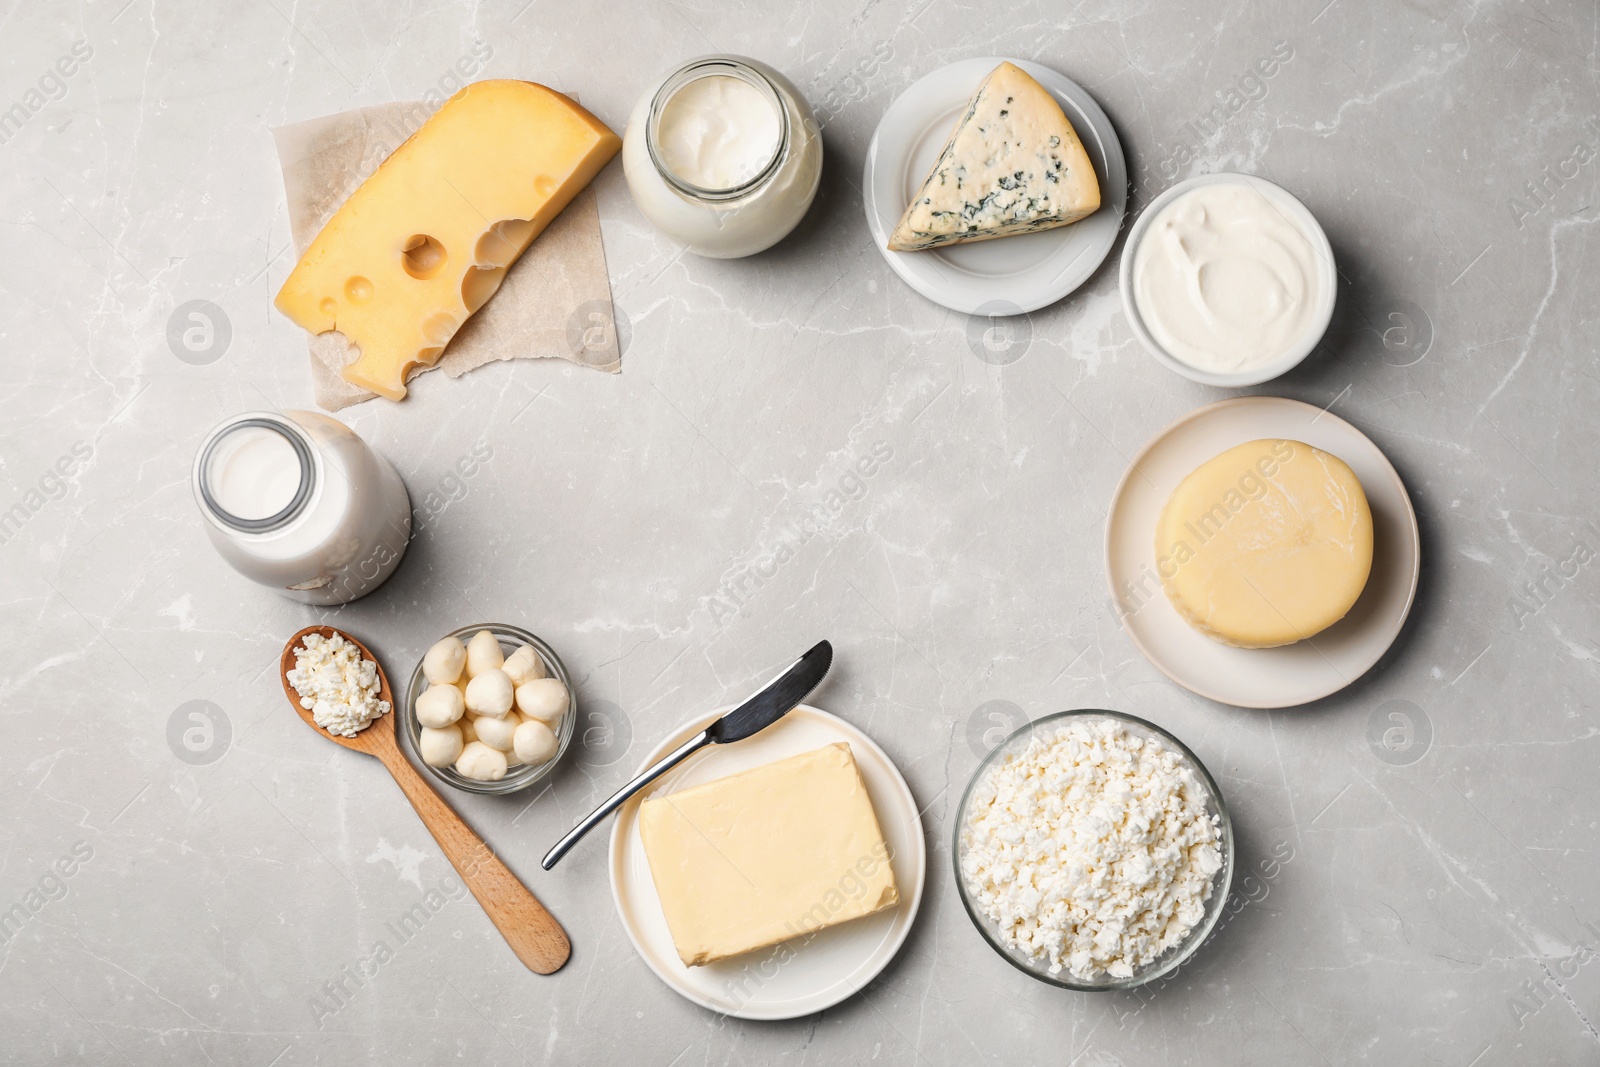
(425, 241)
(777, 852)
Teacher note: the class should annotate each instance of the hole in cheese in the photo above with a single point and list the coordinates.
(439, 328)
(479, 285)
(358, 290)
(503, 243)
(427, 357)
(423, 256)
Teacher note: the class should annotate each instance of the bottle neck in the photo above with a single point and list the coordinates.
(255, 473)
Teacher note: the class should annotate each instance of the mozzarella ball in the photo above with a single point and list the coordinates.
(440, 705)
(440, 747)
(483, 653)
(513, 761)
(490, 693)
(544, 699)
(534, 742)
(496, 733)
(524, 665)
(442, 665)
(481, 763)
(469, 732)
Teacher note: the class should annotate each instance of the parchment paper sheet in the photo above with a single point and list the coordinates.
(555, 301)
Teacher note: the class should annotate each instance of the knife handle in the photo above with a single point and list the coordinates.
(621, 796)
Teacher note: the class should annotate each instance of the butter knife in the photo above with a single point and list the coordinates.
(775, 700)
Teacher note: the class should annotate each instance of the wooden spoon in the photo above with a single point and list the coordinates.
(530, 930)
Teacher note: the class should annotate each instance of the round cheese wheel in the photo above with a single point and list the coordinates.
(1267, 544)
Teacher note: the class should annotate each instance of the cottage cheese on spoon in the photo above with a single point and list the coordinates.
(336, 685)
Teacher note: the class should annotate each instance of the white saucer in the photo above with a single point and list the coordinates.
(1009, 275)
(806, 977)
(1259, 677)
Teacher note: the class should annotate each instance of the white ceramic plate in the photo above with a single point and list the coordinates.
(1259, 677)
(1299, 216)
(776, 983)
(1009, 275)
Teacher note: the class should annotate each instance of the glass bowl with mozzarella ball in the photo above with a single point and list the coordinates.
(1203, 791)
(510, 638)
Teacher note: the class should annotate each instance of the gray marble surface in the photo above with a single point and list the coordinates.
(1429, 901)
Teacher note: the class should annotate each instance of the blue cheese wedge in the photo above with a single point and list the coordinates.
(1013, 165)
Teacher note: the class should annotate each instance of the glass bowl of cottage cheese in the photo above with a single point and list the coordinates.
(1093, 850)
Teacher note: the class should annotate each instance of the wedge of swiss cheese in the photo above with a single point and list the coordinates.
(1013, 165)
(427, 239)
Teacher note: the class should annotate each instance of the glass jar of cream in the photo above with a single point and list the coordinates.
(298, 502)
(723, 155)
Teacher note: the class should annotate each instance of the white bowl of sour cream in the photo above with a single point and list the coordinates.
(1228, 279)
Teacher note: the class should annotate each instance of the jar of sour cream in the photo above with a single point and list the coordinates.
(723, 155)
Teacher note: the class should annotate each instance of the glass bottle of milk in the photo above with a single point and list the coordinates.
(296, 501)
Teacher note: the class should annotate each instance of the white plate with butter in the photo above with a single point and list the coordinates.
(807, 974)
(1288, 675)
(1009, 275)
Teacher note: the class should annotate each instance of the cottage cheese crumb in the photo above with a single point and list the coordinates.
(1091, 848)
(336, 685)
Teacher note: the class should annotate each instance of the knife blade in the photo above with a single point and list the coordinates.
(776, 699)
(772, 702)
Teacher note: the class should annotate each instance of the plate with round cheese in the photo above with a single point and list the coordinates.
(1006, 275)
(1262, 552)
(825, 881)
